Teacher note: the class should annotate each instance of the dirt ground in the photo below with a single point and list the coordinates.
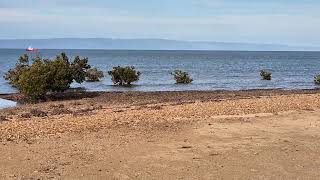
(240, 135)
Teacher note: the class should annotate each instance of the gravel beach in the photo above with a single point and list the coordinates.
(257, 134)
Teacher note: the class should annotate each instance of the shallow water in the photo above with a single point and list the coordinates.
(6, 104)
(211, 70)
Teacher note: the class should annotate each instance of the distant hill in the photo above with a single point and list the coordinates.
(142, 44)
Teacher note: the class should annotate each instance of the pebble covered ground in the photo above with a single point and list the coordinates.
(144, 111)
(261, 134)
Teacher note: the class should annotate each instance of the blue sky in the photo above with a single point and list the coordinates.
(294, 22)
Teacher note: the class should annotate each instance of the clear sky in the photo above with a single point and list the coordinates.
(294, 22)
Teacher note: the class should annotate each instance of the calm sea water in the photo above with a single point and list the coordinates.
(211, 70)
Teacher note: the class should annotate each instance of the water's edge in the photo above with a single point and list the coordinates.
(4, 103)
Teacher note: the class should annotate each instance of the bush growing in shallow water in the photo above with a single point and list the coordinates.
(265, 75)
(13, 75)
(317, 79)
(182, 77)
(124, 76)
(35, 80)
(94, 75)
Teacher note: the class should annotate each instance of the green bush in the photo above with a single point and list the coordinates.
(317, 79)
(13, 75)
(94, 75)
(265, 75)
(182, 77)
(124, 76)
(35, 80)
(79, 67)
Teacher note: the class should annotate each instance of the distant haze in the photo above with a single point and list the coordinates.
(143, 44)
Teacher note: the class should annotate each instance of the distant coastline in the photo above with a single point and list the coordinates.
(145, 44)
(168, 50)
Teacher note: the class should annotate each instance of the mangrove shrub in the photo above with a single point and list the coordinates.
(35, 79)
(265, 75)
(94, 75)
(317, 79)
(124, 76)
(182, 77)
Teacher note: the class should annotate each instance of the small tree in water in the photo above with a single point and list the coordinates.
(265, 75)
(182, 77)
(317, 79)
(94, 75)
(13, 75)
(35, 80)
(124, 76)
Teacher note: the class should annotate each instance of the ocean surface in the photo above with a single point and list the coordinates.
(211, 70)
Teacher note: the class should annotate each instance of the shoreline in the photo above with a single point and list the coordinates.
(75, 94)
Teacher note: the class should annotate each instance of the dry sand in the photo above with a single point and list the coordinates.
(179, 135)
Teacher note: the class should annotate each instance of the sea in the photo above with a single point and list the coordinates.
(210, 70)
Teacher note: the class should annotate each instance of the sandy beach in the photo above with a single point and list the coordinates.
(256, 134)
